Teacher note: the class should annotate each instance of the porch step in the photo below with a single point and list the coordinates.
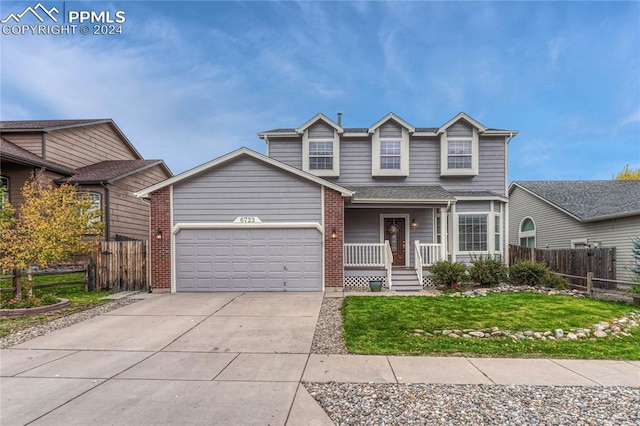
(405, 279)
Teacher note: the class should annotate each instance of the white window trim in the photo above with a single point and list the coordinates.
(407, 235)
(528, 234)
(490, 233)
(444, 155)
(404, 155)
(335, 171)
(498, 215)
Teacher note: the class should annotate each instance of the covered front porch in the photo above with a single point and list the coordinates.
(394, 240)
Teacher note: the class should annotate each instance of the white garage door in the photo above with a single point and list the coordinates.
(249, 260)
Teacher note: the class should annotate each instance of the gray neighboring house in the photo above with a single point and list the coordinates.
(333, 207)
(577, 214)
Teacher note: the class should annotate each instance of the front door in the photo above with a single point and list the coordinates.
(394, 229)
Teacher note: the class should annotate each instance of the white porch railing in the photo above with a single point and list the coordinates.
(363, 255)
(430, 253)
(418, 261)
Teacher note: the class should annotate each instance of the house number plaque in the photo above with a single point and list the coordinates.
(247, 219)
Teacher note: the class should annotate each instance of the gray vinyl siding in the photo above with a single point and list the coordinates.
(321, 130)
(554, 229)
(473, 206)
(618, 233)
(246, 187)
(460, 129)
(288, 150)
(390, 129)
(363, 226)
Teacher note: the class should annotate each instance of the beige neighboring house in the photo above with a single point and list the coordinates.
(577, 214)
(95, 155)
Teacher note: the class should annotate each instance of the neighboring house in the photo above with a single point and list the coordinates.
(93, 154)
(577, 214)
(330, 207)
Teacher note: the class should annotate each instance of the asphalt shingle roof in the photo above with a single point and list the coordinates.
(14, 152)
(590, 199)
(44, 124)
(418, 193)
(110, 170)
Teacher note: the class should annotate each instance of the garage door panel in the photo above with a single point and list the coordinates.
(249, 260)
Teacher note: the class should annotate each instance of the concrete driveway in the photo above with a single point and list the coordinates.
(232, 358)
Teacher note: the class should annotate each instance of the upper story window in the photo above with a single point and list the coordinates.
(390, 150)
(321, 150)
(321, 155)
(390, 154)
(459, 152)
(527, 233)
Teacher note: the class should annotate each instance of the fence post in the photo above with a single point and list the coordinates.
(589, 284)
(91, 275)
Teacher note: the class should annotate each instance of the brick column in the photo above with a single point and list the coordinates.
(160, 249)
(333, 247)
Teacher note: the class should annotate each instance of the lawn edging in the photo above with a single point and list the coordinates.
(19, 312)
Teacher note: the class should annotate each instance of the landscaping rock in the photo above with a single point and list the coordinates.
(559, 333)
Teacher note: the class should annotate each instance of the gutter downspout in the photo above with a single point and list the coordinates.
(266, 139)
(107, 208)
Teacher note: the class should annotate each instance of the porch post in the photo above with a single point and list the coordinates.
(443, 233)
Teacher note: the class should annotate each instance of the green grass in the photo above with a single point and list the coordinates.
(384, 325)
(80, 300)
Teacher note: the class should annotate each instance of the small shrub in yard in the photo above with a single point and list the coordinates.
(528, 273)
(488, 272)
(445, 273)
(555, 281)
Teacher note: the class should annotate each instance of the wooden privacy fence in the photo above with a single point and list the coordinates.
(118, 266)
(600, 262)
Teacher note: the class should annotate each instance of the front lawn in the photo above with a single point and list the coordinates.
(387, 325)
(80, 300)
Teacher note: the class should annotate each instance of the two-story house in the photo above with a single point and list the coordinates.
(93, 154)
(330, 207)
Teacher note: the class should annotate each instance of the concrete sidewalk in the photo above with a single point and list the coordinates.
(474, 371)
(228, 359)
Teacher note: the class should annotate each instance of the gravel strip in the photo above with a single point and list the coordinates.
(48, 327)
(328, 339)
(439, 404)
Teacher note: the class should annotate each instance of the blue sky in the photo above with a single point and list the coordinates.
(190, 81)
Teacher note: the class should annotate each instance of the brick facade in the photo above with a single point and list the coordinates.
(160, 252)
(333, 247)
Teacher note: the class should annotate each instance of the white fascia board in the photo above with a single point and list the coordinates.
(397, 119)
(612, 216)
(314, 119)
(399, 200)
(481, 128)
(291, 134)
(232, 155)
(490, 132)
(430, 134)
(482, 198)
(355, 135)
(263, 225)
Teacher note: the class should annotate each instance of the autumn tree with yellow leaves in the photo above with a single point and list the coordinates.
(628, 173)
(53, 224)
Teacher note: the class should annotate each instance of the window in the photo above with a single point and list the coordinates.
(321, 150)
(321, 155)
(97, 205)
(4, 189)
(527, 233)
(390, 154)
(459, 154)
(438, 228)
(497, 233)
(390, 151)
(472, 230)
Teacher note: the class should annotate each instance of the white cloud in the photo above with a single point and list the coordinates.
(632, 118)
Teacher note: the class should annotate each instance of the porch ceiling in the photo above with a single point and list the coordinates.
(414, 194)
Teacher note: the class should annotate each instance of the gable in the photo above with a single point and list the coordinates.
(246, 186)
